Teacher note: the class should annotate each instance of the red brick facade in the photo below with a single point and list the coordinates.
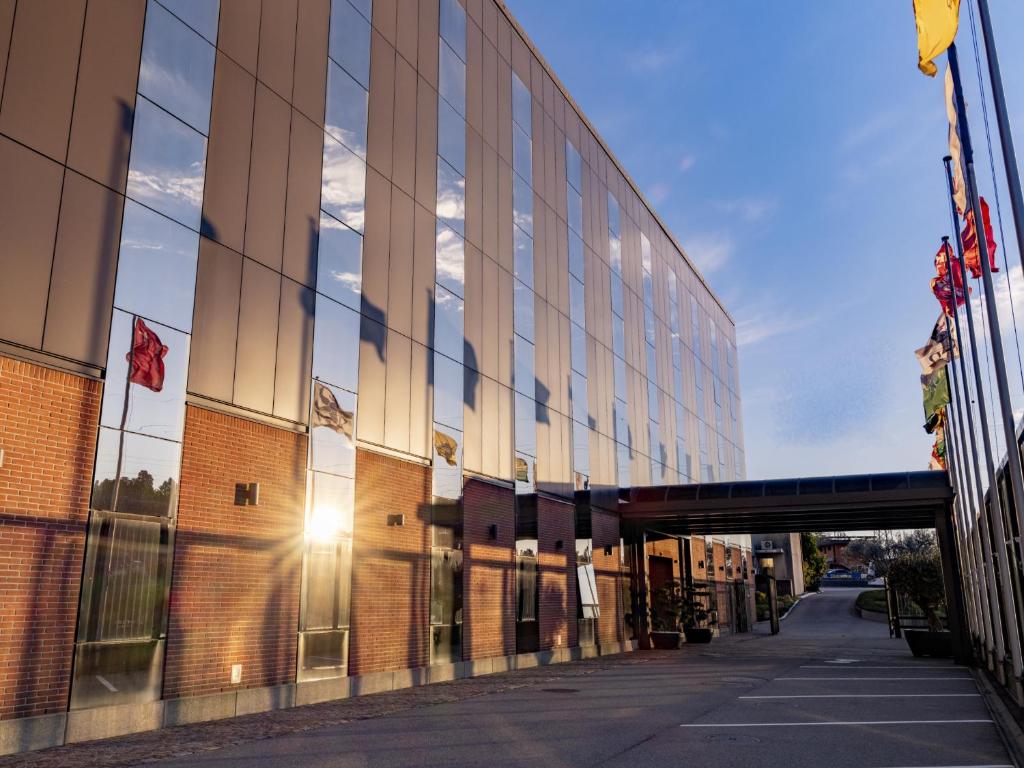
(489, 623)
(235, 588)
(608, 571)
(48, 424)
(556, 522)
(390, 565)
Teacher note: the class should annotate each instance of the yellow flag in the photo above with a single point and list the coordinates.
(959, 187)
(936, 27)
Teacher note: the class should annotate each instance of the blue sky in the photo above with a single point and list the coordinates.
(795, 150)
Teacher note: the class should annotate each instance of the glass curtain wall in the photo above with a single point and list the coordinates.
(623, 436)
(449, 340)
(683, 458)
(330, 477)
(581, 420)
(658, 454)
(122, 620)
(707, 472)
(523, 378)
(718, 397)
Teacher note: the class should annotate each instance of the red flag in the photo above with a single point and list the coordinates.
(146, 358)
(972, 256)
(944, 285)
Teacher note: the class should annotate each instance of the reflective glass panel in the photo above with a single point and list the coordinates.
(451, 136)
(522, 104)
(345, 118)
(648, 291)
(452, 76)
(525, 473)
(523, 256)
(336, 344)
(579, 398)
(144, 481)
(156, 269)
(339, 262)
(329, 507)
(523, 379)
(654, 435)
(448, 392)
(617, 300)
(449, 324)
(332, 436)
(166, 169)
(645, 253)
(577, 264)
(653, 401)
(453, 26)
(450, 259)
(177, 67)
(621, 424)
(618, 336)
(522, 153)
(365, 7)
(615, 255)
(575, 205)
(447, 463)
(350, 41)
(613, 214)
(343, 189)
(325, 589)
(526, 425)
(580, 449)
(522, 311)
(652, 365)
(573, 166)
(451, 197)
(201, 15)
(619, 372)
(522, 204)
(577, 302)
(155, 413)
(578, 343)
(622, 464)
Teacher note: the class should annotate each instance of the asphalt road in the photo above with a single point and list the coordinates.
(832, 689)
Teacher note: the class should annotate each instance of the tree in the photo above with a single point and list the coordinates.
(815, 564)
(919, 576)
(881, 551)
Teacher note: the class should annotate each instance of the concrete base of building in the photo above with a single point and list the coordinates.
(32, 733)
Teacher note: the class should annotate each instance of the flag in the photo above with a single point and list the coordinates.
(935, 353)
(959, 187)
(146, 358)
(972, 254)
(446, 448)
(327, 412)
(945, 285)
(935, 392)
(522, 470)
(938, 457)
(936, 27)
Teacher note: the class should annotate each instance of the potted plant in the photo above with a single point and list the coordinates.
(666, 615)
(696, 616)
(918, 575)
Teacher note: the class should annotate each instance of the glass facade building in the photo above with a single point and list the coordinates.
(342, 328)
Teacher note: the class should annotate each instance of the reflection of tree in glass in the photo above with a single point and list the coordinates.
(136, 494)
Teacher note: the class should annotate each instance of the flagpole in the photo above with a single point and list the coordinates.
(983, 619)
(1003, 121)
(986, 545)
(124, 418)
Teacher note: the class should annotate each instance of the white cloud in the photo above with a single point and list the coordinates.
(686, 162)
(762, 326)
(647, 62)
(658, 192)
(710, 252)
(750, 209)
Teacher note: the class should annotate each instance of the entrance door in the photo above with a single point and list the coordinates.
(659, 571)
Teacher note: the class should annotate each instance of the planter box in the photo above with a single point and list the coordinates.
(698, 634)
(924, 642)
(665, 641)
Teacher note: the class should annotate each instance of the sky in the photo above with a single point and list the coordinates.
(795, 150)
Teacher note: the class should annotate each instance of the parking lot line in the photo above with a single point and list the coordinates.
(866, 696)
(963, 677)
(836, 723)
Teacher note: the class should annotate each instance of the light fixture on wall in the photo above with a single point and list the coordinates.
(247, 494)
(396, 519)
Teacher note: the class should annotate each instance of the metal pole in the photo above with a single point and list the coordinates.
(965, 429)
(1003, 120)
(997, 628)
(1014, 470)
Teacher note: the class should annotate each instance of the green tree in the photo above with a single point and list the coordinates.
(815, 564)
(919, 576)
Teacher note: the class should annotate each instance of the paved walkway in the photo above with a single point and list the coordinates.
(832, 689)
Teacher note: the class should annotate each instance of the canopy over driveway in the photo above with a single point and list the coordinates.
(850, 502)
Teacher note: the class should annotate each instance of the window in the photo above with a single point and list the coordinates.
(135, 473)
(447, 463)
(450, 258)
(448, 324)
(336, 344)
(331, 449)
(451, 136)
(350, 41)
(578, 344)
(345, 118)
(522, 104)
(343, 188)
(523, 374)
(452, 25)
(452, 76)
(522, 311)
(339, 262)
(523, 256)
(451, 197)
(577, 262)
(527, 595)
(522, 204)
(573, 166)
(577, 302)
(448, 386)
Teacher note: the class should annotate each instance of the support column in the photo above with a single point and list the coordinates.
(954, 593)
(636, 542)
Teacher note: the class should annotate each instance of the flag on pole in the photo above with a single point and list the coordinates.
(146, 357)
(948, 286)
(938, 457)
(972, 254)
(328, 413)
(959, 187)
(446, 447)
(935, 393)
(935, 353)
(936, 27)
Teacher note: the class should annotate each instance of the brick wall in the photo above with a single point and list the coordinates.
(719, 566)
(48, 424)
(489, 617)
(235, 588)
(556, 521)
(390, 565)
(698, 555)
(667, 548)
(607, 569)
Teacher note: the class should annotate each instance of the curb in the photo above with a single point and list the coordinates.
(1009, 730)
(800, 599)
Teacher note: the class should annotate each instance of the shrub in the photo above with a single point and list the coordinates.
(919, 576)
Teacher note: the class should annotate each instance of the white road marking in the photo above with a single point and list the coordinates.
(106, 683)
(844, 661)
(958, 766)
(965, 677)
(867, 696)
(847, 722)
(946, 668)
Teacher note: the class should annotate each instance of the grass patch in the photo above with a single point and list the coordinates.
(872, 600)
